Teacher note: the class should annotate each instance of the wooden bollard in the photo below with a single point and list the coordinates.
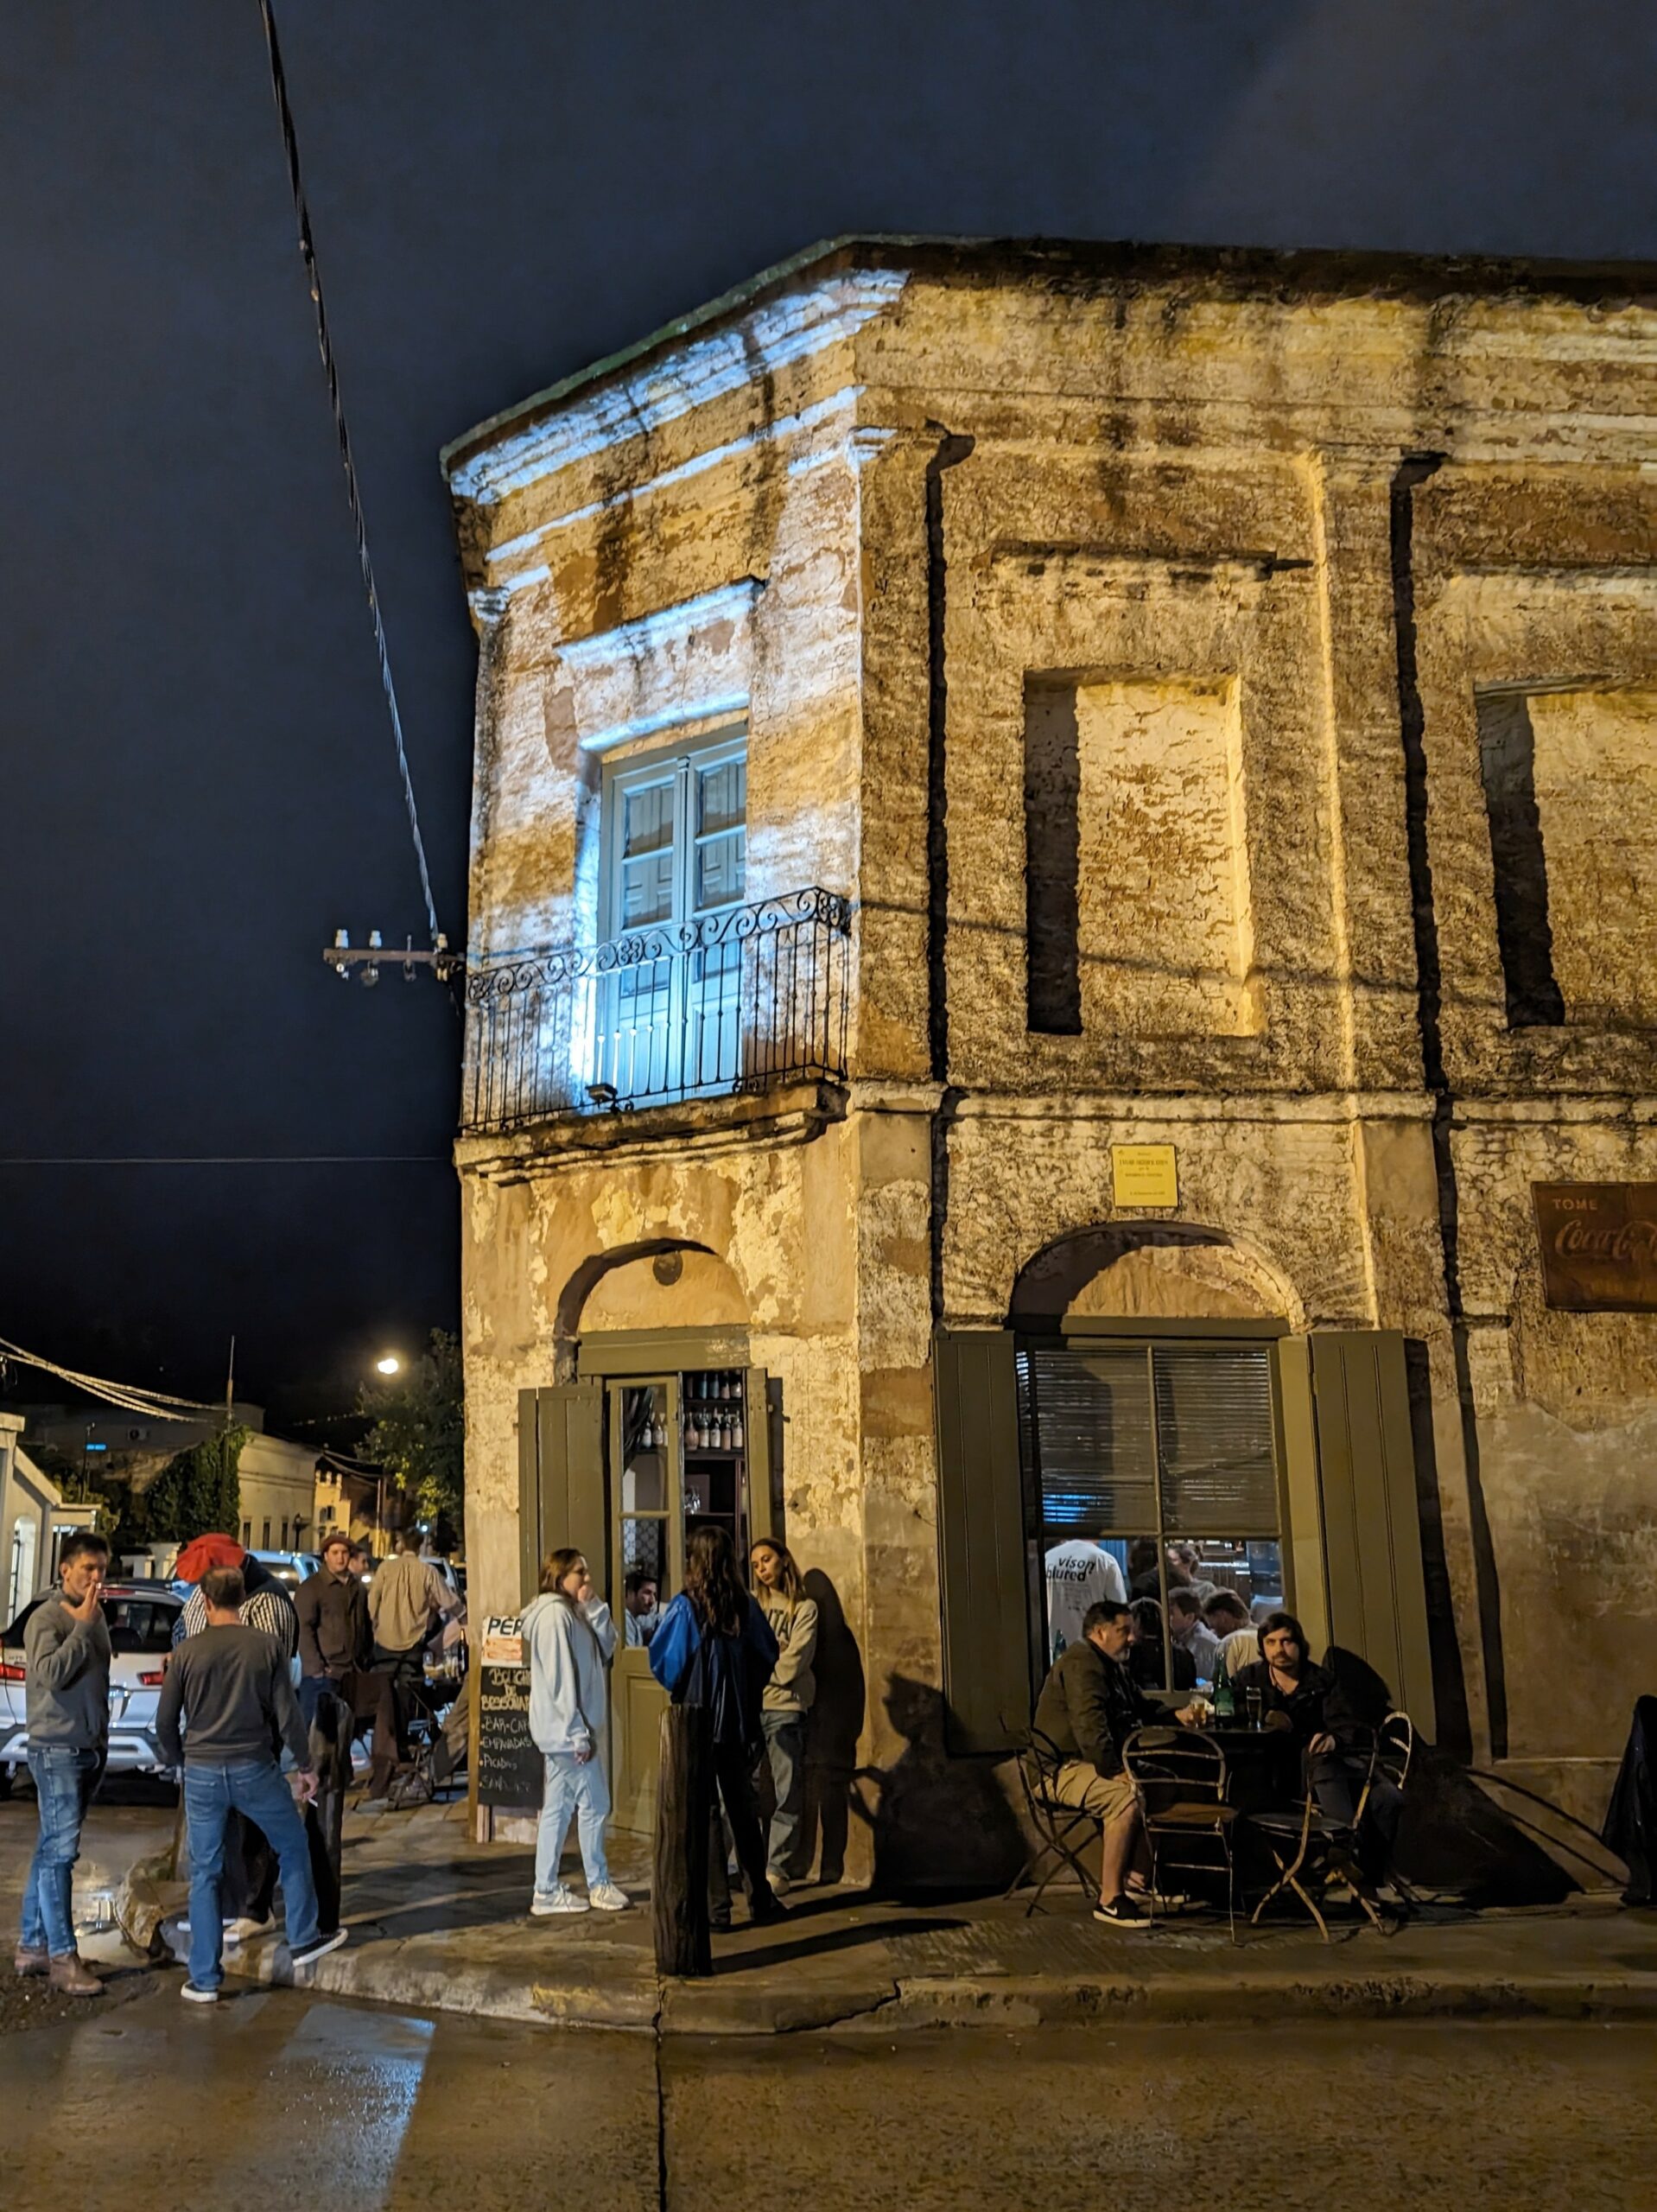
(679, 1896)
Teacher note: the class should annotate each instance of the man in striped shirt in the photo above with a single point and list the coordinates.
(267, 1606)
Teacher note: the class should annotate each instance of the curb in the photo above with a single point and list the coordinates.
(1003, 2003)
(389, 1974)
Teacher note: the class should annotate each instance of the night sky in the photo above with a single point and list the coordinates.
(199, 782)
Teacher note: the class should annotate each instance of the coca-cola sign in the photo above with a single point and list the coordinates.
(1599, 1246)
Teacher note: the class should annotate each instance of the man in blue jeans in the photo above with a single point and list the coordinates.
(66, 1654)
(230, 1688)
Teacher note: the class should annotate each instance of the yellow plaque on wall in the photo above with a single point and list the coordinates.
(1144, 1175)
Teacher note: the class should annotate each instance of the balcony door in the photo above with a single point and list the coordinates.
(674, 843)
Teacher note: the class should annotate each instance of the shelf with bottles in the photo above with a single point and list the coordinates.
(711, 1412)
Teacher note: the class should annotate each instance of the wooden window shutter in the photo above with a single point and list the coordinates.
(759, 1441)
(1369, 1525)
(560, 1480)
(983, 1570)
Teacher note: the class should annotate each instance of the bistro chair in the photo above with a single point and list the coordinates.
(1315, 1854)
(1059, 1829)
(1179, 1779)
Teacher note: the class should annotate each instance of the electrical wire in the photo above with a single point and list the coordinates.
(325, 346)
(131, 1397)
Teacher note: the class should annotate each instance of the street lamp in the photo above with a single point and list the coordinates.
(390, 1365)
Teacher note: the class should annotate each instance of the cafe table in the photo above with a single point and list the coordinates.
(1264, 1772)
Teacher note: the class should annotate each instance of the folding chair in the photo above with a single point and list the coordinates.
(1179, 1780)
(1055, 1824)
(419, 1782)
(1315, 1854)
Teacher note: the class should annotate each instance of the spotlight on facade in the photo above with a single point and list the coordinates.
(603, 1094)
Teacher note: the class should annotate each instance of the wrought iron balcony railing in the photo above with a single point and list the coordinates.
(736, 1002)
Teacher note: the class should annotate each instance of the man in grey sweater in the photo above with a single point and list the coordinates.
(230, 1688)
(66, 1654)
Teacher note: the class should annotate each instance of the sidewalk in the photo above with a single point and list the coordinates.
(440, 1923)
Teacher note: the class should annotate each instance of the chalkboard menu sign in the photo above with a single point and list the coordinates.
(510, 1769)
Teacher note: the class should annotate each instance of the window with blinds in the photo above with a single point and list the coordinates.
(1152, 1475)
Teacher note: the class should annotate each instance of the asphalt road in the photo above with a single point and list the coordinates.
(273, 2099)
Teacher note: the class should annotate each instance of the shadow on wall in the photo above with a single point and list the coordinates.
(836, 1723)
(939, 1823)
(1452, 1838)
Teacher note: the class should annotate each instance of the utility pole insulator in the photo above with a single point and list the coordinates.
(364, 962)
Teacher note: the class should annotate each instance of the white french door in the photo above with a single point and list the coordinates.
(674, 849)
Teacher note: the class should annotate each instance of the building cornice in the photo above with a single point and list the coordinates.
(571, 423)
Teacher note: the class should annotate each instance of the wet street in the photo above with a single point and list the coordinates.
(277, 2099)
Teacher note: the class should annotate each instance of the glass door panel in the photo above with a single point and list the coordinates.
(648, 1568)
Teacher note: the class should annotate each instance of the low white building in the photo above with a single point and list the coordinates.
(34, 1518)
(278, 1476)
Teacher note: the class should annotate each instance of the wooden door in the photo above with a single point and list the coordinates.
(684, 1451)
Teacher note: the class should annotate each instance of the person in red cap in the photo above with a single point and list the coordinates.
(267, 1606)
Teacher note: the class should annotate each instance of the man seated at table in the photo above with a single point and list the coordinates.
(1087, 1709)
(1331, 1738)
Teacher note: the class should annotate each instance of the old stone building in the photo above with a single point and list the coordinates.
(1062, 836)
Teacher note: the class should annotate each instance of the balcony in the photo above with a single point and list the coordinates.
(738, 1002)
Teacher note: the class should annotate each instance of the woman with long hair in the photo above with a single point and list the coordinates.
(792, 1619)
(714, 1651)
(569, 1642)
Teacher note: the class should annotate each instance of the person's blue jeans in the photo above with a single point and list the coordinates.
(65, 1780)
(254, 1788)
(577, 1791)
(785, 1751)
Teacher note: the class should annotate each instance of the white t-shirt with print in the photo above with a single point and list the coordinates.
(1078, 1574)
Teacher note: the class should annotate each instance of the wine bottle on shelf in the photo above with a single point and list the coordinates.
(736, 1431)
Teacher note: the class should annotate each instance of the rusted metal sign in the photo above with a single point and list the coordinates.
(1599, 1246)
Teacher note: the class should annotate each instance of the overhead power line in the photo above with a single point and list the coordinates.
(325, 345)
(131, 1397)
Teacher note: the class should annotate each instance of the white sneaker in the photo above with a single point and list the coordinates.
(559, 1900)
(244, 1931)
(608, 1899)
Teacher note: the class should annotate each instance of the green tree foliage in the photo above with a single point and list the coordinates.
(197, 1492)
(419, 1433)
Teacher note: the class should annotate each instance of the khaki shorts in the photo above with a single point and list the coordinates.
(1079, 1782)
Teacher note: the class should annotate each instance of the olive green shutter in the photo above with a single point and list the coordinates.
(765, 1506)
(1369, 1535)
(561, 1478)
(982, 1556)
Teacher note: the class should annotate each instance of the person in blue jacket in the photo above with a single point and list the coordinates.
(715, 1650)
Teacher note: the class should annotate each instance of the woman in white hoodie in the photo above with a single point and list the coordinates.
(569, 1644)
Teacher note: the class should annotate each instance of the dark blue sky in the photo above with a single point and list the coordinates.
(198, 781)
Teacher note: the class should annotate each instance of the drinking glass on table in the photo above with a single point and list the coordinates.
(1253, 1702)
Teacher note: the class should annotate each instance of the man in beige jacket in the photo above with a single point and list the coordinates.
(406, 1599)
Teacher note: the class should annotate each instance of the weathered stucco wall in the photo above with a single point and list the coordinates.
(1268, 541)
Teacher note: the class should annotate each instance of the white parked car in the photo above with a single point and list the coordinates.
(291, 1568)
(140, 1616)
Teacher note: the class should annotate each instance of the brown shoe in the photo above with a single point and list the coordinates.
(27, 1959)
(71, 1977)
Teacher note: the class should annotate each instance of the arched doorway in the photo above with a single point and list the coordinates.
(659, 1426)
